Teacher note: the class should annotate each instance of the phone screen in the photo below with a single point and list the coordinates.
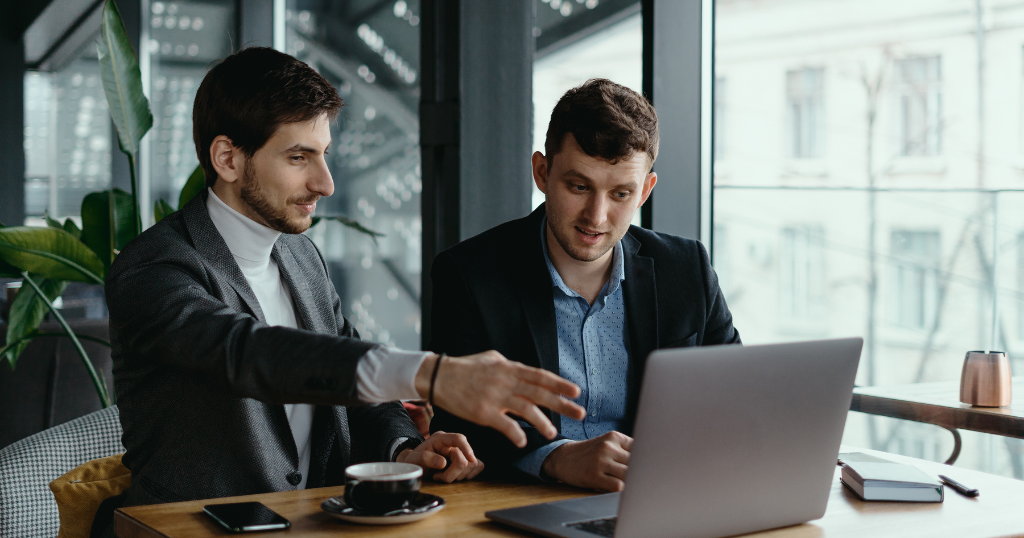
(246, 517)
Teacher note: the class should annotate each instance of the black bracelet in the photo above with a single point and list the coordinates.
(433, 378)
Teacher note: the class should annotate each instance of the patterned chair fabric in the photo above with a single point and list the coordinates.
(27, 507)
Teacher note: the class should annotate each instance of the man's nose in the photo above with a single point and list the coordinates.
(596, 210)
(321, 182)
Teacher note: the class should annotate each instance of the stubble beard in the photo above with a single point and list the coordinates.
(565, 242)
(257, 200)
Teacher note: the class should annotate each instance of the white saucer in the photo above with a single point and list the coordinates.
(424, 505)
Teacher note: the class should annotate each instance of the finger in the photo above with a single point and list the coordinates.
(532, 414)
(508, 427)
(457, 441)
(458, 465)
(543, 397)
(627, 443)
(546, 379)
(609, 483)
(428, 459)
(476, 470)
(616, 470)
(619, 455)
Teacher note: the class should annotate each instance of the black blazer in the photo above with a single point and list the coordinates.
(201, 378)
(493, 291)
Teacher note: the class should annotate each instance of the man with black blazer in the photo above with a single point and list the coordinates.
(575, 289)
(236, 372)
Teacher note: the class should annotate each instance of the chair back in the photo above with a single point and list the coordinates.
(27, 507)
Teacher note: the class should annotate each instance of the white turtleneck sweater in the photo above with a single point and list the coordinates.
(383, 374)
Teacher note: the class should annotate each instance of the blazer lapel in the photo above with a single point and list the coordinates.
(640, 295)
(297, 283)
(538, 300)
(211, 246)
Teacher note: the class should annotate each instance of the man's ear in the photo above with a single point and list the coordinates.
(223, 153)
(649, 183)
(540, 171)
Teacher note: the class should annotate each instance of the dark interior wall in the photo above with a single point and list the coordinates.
(12, 127)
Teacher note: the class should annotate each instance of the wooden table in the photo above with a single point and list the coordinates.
(999, 511)
(939, 404)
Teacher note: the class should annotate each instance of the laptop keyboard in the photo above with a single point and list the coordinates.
(600, 527)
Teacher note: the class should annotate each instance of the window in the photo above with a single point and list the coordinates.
(371, 55)
(802, 272)
(909, 262)
(919, 82)
(719, 118)
(67, 138)
(915, 264)
(184, 39)
(805, 110)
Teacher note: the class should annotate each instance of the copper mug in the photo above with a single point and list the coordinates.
(985, 380)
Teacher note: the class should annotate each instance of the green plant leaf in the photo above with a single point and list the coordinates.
(161, 209)
(195, 184)
(52, 223)
(27, 311)
(122, 81)
(345, 221)
(96, 217)
(72, 228)
(51, 253)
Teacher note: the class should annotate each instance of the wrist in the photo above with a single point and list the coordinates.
(550, 468)
(424, 374)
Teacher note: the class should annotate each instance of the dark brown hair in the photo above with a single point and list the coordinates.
(608, 121)
(250, 94)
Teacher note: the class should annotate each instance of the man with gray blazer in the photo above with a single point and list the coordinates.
(235, 370)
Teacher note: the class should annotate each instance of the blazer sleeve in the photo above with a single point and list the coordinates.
(457, 329)
(373, 428)
(163, 310)
(718, 327)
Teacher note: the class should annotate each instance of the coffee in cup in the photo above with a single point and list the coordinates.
(377, 488)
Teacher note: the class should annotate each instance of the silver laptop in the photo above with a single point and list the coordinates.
(728, 440)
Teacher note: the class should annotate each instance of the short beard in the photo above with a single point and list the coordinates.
(256, 199)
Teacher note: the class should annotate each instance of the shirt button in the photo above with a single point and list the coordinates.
(294, 478)
(594, 371)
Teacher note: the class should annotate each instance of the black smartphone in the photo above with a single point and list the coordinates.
(246, 517)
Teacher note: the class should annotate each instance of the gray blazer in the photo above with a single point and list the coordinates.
(201, 378)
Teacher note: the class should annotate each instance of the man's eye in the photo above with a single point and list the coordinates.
(297, 158)
(579, 188)
(622, 195)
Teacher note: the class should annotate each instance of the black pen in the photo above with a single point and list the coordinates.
(960, 488)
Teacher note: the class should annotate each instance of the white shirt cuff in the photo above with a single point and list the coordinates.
(387, 374)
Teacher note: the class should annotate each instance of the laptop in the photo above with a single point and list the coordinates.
(728, 440)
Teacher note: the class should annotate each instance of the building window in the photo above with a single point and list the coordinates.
(718, 120)
(805, 110)
(802, 272)
(919, 110)
(67, 138)
(914, 286)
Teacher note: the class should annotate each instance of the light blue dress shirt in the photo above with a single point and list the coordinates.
(593, 352)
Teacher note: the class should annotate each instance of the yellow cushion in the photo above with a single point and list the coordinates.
(80, 492)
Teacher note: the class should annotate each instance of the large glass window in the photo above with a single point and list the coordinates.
(370, 52)
(183, 39)
(867, 187)
(67, 138)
